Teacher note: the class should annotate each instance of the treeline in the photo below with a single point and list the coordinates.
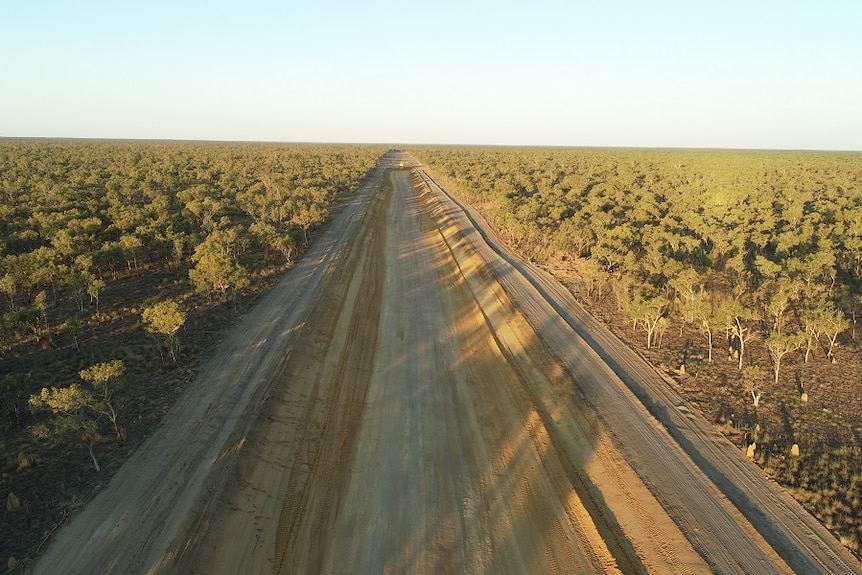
(737, 242)
(120, 262)
(74, 214)
(79, 217)
(754, 258)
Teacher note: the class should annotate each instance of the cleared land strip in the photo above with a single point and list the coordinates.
(166, 489)
(413, 399)
(800, 540)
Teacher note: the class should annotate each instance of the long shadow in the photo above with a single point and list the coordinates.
(588, 493)
(494, 491)
(654, 393)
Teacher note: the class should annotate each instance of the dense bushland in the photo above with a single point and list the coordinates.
(120, 262)
(739, 272)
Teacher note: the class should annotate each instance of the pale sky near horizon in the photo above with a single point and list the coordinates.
(732, 74)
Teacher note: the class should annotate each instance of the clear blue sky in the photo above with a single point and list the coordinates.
(739, 74)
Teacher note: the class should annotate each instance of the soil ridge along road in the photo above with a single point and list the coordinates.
(798, 537)
(413, 398)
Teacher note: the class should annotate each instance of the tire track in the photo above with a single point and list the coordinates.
(772, 520)
(488, 293)
(408, 400)
(339, 412)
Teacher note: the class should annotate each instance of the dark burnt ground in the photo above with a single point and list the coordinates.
(827, 475)
(52, 475)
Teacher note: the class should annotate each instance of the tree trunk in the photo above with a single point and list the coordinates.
(709, 345)
(93, 456)
(755, 397)
(740, 336)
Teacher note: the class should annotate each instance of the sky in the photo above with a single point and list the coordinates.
(619, 73)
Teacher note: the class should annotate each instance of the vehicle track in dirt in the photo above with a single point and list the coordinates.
(780, 522)
(412, 398)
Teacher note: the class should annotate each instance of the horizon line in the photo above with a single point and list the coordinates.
(433, 144)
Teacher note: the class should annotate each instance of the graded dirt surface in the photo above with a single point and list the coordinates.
(411, 398)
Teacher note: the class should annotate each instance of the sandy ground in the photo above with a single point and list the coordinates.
(411, 398)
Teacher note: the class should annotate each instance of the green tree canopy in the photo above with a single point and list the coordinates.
(165, 318)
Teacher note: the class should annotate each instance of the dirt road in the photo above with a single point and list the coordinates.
(413, 399)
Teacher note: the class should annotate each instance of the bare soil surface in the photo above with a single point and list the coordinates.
(412, 398)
